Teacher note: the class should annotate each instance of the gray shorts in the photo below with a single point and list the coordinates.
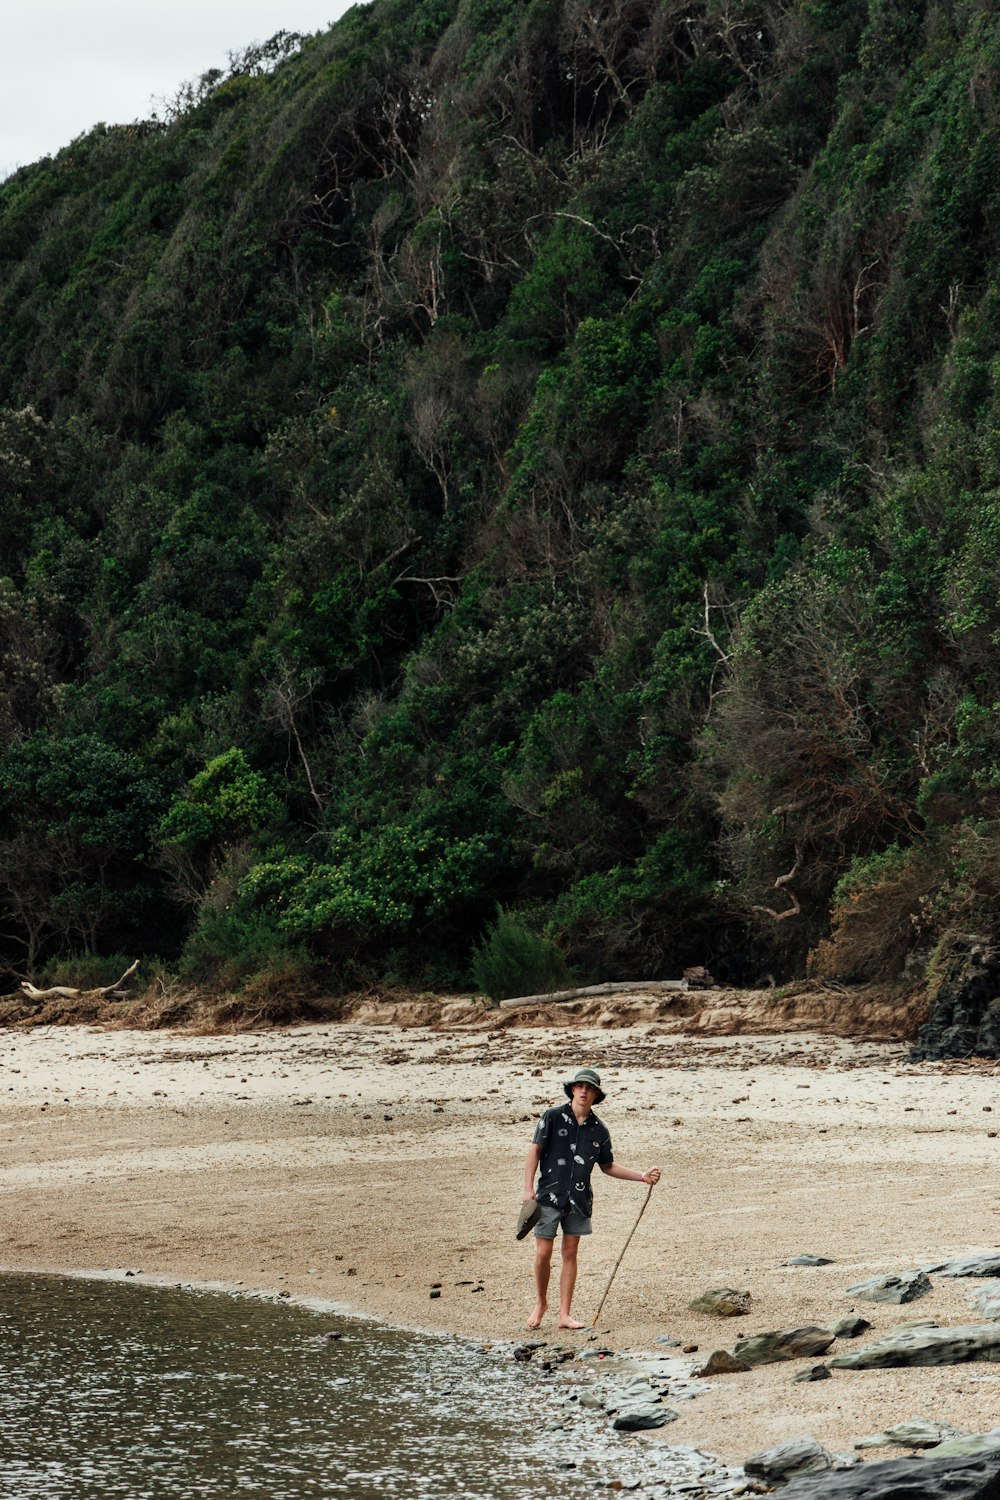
(571, 1219)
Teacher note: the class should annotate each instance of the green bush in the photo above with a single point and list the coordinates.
(231, 950)
(225, 801)
(512, 960)
(372, 884)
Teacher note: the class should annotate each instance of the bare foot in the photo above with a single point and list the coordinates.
(535, 1321)
(570, 1323)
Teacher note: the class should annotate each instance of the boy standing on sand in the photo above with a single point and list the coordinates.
(568, 1140)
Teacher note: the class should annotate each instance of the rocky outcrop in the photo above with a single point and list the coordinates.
(965, 1018)
(972, 1445)
(807, 1005)
(905, 1479)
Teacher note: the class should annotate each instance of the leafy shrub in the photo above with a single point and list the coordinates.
(373, 885)
(231, 949)
(643, 919)
(967, 898)
(512, 960)
(879, 913)
(223, 802)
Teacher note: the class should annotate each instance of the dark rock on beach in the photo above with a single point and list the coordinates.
(850, 1328)
(926, 1345)
(639, 1418)
(815, 1372)
(722, 1363)
(803, 1455)
(905, 1479)
(918, 1432)
(809, 1260)
(904, 1286)
(788, 1343)
(969, 1265)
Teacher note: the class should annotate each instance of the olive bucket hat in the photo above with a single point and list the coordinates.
(585, 1075)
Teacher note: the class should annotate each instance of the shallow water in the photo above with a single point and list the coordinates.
(116, 1389)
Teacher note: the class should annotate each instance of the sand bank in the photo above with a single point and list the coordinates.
(365, 1164)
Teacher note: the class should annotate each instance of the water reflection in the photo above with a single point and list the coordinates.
(115, 1389)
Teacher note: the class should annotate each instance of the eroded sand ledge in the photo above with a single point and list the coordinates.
(268, 1159)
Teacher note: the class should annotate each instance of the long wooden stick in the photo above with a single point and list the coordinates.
(621, 1257)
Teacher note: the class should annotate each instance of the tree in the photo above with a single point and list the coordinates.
(76, 823)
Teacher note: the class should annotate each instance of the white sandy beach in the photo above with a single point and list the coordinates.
(364, 1164)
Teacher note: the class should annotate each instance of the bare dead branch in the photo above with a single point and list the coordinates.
(791, 807)
(722, 657)
(559, 213)
(127, 975)
(289, 696)
(68, 993)
(783, 884)
(444, 598)
(706, 630)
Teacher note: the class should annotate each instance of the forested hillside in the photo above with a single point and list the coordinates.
(524, 453)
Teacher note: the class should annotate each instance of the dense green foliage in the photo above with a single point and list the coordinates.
(541, 454)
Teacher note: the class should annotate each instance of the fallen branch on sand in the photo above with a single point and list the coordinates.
(614, 987)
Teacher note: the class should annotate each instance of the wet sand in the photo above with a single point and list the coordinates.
(365, 1164)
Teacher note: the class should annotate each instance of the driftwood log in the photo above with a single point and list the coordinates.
(612, 988)
(109, 991)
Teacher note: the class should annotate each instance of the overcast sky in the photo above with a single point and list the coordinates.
(67, 65)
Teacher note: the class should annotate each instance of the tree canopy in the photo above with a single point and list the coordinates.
(537, 457)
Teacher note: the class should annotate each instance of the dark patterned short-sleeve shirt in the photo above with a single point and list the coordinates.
(570, 1151)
